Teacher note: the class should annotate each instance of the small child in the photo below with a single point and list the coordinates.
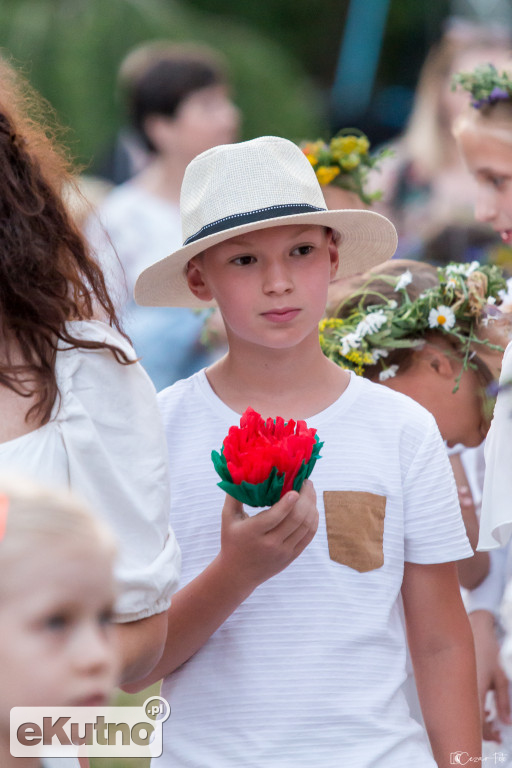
(309, 670)
(57, 645)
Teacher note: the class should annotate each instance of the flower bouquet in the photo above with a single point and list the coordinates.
(262, 460)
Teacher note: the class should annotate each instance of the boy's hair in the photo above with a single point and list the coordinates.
(157, 77)
(36, 516)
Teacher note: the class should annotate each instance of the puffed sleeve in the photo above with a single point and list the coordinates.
(496, 514)
(117, 458)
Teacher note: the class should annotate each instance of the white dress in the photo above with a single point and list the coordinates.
(105, 441)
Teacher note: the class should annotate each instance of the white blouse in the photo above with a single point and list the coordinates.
(105, 442)
(496, 515)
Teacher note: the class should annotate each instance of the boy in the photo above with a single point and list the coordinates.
(308, 671)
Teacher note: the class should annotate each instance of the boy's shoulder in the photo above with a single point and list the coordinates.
(182, 396)
(387, 405)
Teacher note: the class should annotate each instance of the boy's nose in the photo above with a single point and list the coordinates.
(277, 279)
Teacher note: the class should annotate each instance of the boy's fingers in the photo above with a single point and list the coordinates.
(233, 508)
(270, 518)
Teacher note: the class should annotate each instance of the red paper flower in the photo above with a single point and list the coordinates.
(261, 460)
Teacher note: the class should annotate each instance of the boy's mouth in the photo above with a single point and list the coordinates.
(283, 315)
(506, 236)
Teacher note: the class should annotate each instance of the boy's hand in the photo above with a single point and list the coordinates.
(256, 548)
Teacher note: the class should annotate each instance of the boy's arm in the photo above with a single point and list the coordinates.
(253, 549)
(443, 656)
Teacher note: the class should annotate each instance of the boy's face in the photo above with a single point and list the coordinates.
(270, 284)
(57, 645)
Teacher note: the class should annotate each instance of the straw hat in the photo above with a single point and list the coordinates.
(237, 188)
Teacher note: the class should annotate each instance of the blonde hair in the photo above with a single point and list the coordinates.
(428, 134)
(38, 516)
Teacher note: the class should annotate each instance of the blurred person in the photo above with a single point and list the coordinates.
(179, 104)
(426, 184)
(77, 410)
(484, 136)
(57, 641)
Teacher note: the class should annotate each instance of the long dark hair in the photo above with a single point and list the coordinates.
(47, 276)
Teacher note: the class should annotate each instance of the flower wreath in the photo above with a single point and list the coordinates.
(455, 307)
(345, 162)
(485, 85)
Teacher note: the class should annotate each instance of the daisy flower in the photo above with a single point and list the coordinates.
(441, 316)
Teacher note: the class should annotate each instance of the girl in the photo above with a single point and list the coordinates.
(57, 643)
(54, 354)
(426, 333)
(484, 136)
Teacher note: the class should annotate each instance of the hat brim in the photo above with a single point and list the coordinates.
(366, 239)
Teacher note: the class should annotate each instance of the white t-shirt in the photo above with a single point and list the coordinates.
(105, 441)
(309, 670)
(496, 515)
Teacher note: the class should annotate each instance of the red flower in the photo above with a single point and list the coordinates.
(256, 446)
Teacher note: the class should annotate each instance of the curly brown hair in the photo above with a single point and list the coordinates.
(47, 276)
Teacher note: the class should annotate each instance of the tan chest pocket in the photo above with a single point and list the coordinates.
(355, 528)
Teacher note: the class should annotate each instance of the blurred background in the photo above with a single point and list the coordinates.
(299, 69)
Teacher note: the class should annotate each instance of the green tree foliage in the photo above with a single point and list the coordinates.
(71, 49)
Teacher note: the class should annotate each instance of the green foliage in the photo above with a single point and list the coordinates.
(71, 49)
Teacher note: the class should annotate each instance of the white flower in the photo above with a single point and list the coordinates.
(350, 341)
(388, 373)
(392, 304)
(491, 300)
(441, 316)
(371, 323)
(462, 269)
(378, 353)
(404, 280)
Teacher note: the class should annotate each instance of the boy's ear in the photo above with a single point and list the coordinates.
(333, 253)
(196, 281)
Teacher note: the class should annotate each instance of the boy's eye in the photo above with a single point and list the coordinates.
(302, 250)
(243, 261)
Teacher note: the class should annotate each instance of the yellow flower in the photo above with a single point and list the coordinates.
(325, 174)
(312, 159)
(344, 145)
(363, 145)
(350, 162)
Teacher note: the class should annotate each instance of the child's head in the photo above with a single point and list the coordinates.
(432, 334)
(56, 596)
(484, 136)
(178, 98)
(241, 194)
(342, 167)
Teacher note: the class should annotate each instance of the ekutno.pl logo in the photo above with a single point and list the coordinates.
(89, 731)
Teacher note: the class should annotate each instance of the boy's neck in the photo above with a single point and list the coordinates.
(293, 383)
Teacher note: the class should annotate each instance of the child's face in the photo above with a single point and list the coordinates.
(488, 156)
(56, 644)
(205, 119)
(270, 284)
